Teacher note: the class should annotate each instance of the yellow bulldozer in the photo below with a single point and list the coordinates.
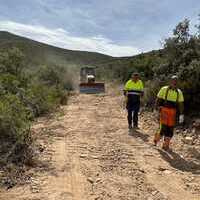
(88, 84)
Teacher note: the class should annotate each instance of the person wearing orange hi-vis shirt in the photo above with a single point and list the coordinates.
(170, 101)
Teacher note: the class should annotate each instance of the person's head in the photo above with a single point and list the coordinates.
(173, 81)
(135, 76)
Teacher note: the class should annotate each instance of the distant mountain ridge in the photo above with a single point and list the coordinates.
(38, 53)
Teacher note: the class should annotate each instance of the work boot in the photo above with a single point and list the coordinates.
(166, 143)
(165, 148)
(156, 138)
(130, 130)
(135, 125)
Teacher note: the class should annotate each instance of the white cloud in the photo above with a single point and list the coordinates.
(61, 38)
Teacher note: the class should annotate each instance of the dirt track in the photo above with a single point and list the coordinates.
(90, 156)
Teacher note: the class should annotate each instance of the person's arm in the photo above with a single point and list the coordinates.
(159, 99)
(159, 103)
(125, 92)
(181, 107)
(157, 108)
(142, 88)
(126, 88)
(181, 102)
(181, 112)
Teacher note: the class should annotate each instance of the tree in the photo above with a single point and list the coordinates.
(181, 32)
(183, 59)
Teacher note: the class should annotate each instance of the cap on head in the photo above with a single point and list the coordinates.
(135, 74)
(174, 77)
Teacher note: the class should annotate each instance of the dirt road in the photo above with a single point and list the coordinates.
(90, 156)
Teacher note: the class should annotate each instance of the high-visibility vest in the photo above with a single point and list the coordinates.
(135, 88)
(170, 97)
(133, 91)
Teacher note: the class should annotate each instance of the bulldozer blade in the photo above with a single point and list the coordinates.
(92, 88)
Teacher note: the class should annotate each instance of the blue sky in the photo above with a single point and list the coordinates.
(113, 27)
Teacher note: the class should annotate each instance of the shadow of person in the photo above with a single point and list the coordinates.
(138, 134)
(194, 153)
(178, 162)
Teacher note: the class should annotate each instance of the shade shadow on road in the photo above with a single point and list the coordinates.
(138, 134)
(179, 163)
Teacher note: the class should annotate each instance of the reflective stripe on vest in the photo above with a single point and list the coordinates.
(134, 92)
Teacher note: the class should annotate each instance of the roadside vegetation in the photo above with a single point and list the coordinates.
(25, 95)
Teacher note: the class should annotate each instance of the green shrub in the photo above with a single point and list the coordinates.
(11, 61)
(9, 83)
(14, 129)
(13, 117)
(150, 93)
(25, 96)
(40, 99)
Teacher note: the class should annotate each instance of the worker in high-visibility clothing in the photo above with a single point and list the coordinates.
(170, 102)
(133, 90)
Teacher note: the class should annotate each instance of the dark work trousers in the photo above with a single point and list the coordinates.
(133, 114)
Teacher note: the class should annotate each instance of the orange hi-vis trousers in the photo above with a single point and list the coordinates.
(167, 123)
(168, 116)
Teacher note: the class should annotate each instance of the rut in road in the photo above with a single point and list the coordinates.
(92, 157)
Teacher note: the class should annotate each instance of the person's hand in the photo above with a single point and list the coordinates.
(181, 119)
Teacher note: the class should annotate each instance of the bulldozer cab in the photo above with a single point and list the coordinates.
(88, 84)
(85, 73)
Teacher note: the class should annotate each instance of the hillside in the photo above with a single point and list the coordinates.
(37, 53)
(121, 68)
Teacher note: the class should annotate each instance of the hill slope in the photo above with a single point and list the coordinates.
(39, 53)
